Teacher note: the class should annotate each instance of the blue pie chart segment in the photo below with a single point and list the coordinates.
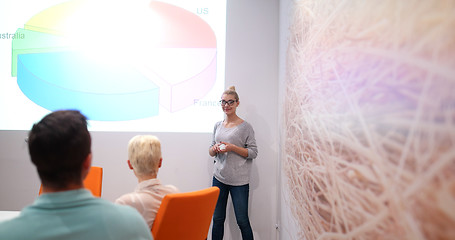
(102, 91)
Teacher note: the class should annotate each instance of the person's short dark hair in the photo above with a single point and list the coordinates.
(58, 145)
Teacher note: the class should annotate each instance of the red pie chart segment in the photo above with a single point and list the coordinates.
(183, 28)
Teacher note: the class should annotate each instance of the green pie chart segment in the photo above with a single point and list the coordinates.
(35, 42)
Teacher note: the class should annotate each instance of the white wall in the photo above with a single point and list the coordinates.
(252, 66)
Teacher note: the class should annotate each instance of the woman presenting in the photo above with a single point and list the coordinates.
(234, 148)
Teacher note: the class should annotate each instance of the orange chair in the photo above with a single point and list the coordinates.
(92, 182)
(185, 215)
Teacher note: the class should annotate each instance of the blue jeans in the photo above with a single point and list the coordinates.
(239, 196)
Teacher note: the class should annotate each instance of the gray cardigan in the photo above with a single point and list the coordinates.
(231, 168)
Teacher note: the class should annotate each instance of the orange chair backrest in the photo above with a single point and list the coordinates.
(185, 215)
(92, 182)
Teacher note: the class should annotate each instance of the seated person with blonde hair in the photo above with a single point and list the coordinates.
(144, 158)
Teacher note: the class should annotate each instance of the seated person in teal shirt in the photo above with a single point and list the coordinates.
(60, 148)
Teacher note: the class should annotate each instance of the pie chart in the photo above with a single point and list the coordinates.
(113, 68)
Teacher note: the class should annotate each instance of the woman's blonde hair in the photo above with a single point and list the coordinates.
(231, 91)
(144, 153)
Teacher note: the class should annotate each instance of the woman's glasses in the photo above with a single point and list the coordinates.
(230, 102)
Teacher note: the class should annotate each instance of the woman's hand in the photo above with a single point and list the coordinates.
(225, 147)
(215, 149)
(221, 147)
(228, 147)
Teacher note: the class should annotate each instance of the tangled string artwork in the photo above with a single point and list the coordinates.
(369, 119)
